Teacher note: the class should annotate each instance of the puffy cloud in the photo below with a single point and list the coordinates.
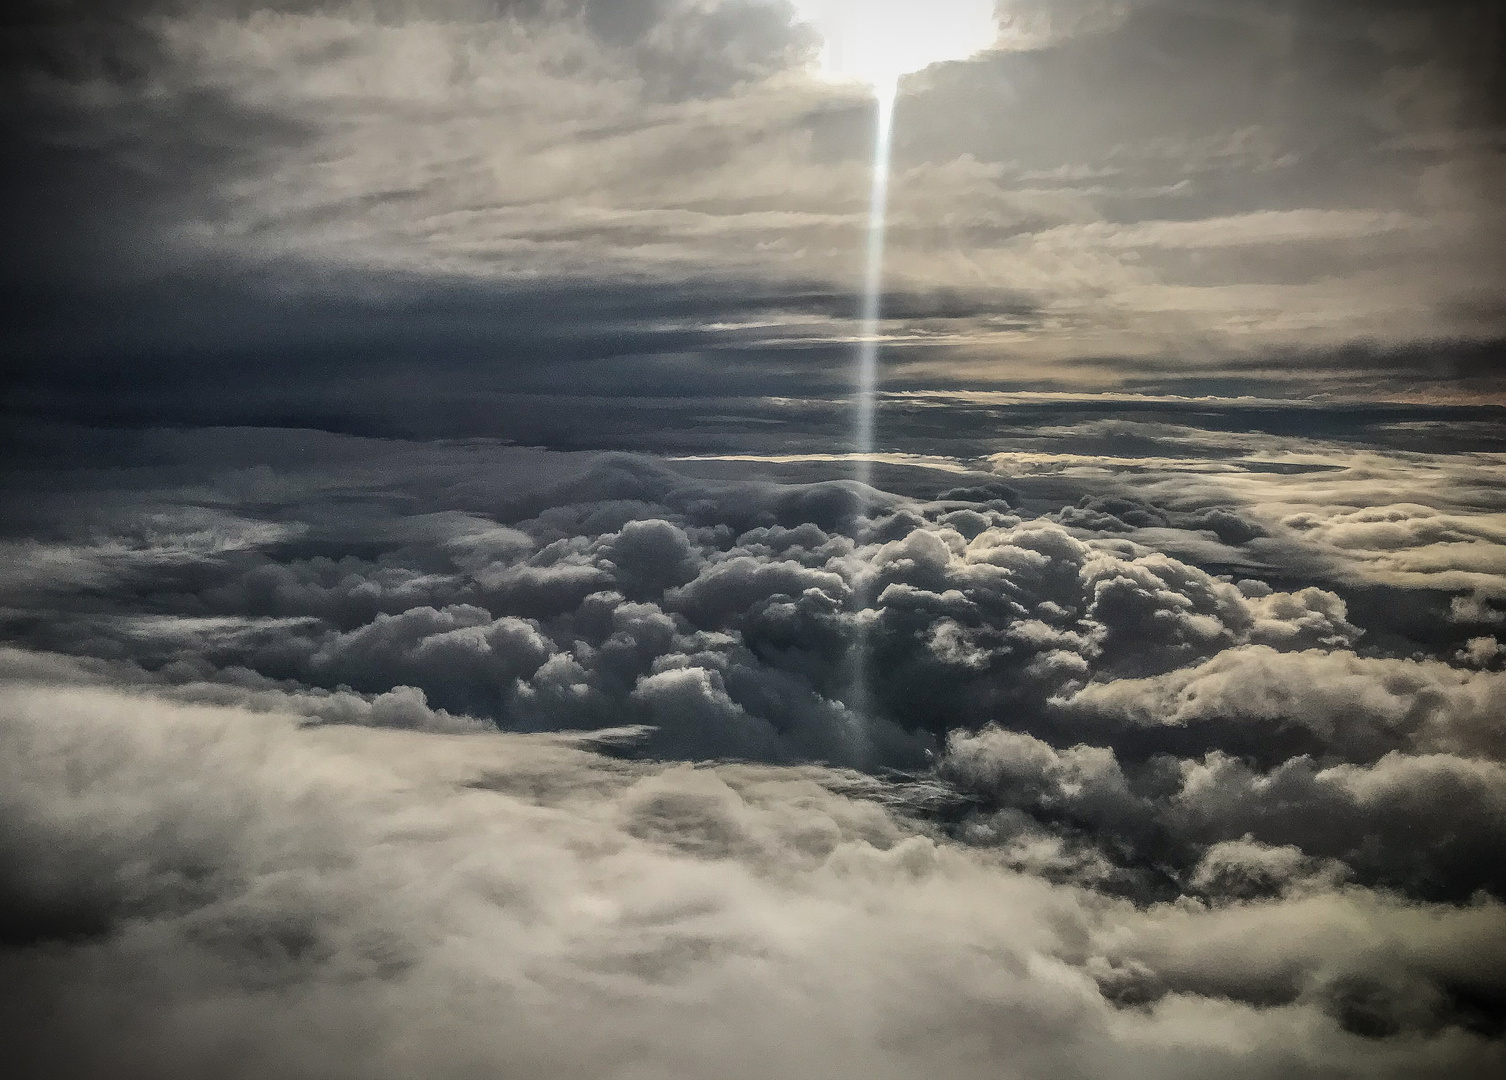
(691, 706)
(649, 557)
(1246, 869)
(731, 586)
(1157, 810)
(1356, 706)
(338, 901)
(840, 630)
(1169, 817)
(1480, 652)
(459, 649)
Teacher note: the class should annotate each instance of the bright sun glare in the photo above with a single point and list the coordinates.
(877, 41)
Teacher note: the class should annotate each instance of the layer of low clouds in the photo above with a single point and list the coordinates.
(1149, 745)
(230, 896)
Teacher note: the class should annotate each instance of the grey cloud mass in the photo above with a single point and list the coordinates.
(442, 634)
(336, 756)
(1241, 194)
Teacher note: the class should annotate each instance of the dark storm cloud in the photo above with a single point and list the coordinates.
(303, 353)
(117, 150)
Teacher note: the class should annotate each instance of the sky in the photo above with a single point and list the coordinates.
(461, 197)
(447, 628)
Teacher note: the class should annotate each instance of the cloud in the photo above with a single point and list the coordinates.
(1360, 707)
(1173, 818)
(413, 730)
(616, 602)
(348, 901)
(473, 756)
(671, 201)
(539, 591)
(1247, 869)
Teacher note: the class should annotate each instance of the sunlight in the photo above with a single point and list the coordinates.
(873, 285)
(877, 41)
(866, 382)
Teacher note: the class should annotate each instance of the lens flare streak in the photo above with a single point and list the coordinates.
(869, 343)
(866, 383)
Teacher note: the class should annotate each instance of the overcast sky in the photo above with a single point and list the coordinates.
(664, 196)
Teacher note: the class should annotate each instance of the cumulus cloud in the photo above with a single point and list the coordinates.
(1174, 819)
(1357, 706)
(452, 752)
(583, 598)
(632, 594)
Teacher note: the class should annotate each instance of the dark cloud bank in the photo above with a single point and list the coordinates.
(451, 198)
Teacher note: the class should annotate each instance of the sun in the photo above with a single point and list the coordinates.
(877, 41)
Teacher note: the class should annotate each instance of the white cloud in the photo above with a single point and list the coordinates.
(346, 901)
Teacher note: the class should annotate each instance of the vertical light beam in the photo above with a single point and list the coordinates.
(866, 383)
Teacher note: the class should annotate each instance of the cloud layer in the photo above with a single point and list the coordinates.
(328, 756)
(230, 896)
(1246, 196)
